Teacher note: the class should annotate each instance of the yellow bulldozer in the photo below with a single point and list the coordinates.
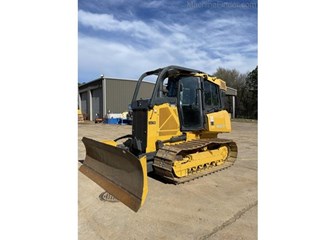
(174, 136)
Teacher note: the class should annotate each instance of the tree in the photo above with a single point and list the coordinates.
(234, 79)
(252, 95)
(247, 88)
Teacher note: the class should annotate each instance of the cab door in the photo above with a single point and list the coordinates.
(190, 107)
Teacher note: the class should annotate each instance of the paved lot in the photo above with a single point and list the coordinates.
(219, 206)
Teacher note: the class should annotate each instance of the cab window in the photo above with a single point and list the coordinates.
(212, 96)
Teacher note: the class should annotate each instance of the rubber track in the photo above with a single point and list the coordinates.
(165, 157)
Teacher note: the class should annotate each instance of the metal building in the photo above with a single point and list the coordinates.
(103, 95)
(98, 97)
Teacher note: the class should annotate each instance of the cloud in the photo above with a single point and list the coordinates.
(111, 59)
(107, 22)
(127, 47)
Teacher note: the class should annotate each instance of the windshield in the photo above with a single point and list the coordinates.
(146, 87)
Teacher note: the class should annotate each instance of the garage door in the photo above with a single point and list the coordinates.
(97, 103)
(85, 109)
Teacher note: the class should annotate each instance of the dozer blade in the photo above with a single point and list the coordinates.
(117, 171)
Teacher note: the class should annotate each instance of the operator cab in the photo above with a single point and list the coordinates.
(194, 95)
(187, 93)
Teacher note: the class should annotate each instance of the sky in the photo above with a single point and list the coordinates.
(123, 39)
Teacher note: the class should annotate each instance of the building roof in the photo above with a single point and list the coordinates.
(230, 91)
(109, 78)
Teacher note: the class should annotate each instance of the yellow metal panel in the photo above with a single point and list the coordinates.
(152, 130)
(221, 83)
(218, 81)
(167, 119)
(143, 161)
(163, 123)
(192, 136)
(218, 122)
(110, 142)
